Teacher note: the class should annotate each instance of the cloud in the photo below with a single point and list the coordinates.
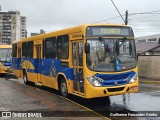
(58, 14)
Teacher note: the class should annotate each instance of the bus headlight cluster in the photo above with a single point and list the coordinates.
(93, 81)
(134, 78)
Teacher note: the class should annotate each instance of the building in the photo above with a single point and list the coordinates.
(12, 27)
(148, 45)
(148, 50)
(23, 27)
(41, 32)
(149, 38)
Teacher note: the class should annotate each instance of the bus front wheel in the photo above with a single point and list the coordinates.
(63, 88)
(25, 79)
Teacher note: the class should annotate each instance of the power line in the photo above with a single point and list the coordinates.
(143, 13)
(47, 21)
(118, 10)
(107, 19)
(151, 12)
(132, 14)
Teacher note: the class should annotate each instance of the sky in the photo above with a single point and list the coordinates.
(52, 15)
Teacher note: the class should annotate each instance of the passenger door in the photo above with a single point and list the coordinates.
(19, 60)
(77, 62)
(38, 61)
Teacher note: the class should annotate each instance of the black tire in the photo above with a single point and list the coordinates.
(25, 78)
(63, 88)
(2, 75)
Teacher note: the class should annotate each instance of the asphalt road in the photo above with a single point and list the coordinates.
(145, 103)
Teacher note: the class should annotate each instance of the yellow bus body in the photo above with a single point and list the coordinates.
(3, 68)
(76, 34)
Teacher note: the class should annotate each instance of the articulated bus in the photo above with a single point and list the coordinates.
(5, 59)
(94, 60)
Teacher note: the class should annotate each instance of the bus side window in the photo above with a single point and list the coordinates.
(14, 50)
(80, 53)
(50, 47)
(74, 58)
(30, 49)
(24, 49)
(63, 47)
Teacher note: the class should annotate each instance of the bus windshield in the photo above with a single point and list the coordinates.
(111, 55)
(5, 54)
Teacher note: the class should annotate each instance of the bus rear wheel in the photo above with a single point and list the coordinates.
(63, 88)
(25, 78)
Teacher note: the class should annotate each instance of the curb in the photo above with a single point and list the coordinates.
(150, 81)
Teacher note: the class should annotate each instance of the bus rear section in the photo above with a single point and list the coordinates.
(5, 59)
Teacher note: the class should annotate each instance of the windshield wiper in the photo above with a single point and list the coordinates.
(123, 40)
(105, 45)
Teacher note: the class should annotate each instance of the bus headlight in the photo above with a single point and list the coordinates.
(93, 81)
(134, 78)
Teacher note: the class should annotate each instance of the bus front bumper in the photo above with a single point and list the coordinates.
(92, 92)
(4, 70)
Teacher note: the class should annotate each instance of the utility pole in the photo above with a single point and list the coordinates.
(126, 19)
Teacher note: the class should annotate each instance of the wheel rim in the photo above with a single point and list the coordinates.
(64, 89)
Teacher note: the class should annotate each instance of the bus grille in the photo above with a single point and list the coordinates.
(116, 79)
(115, 89)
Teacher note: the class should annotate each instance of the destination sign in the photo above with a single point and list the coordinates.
(112, 31)
(109, 31)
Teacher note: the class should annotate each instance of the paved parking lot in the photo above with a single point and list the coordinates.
(16, 96)
(20, 98)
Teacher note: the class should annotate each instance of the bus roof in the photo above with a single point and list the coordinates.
(66, 31)
(5, 46)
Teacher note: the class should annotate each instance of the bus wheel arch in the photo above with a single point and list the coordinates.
(62, 85)
(25, 78)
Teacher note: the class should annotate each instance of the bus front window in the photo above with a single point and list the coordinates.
(5, 55)
(111, 55)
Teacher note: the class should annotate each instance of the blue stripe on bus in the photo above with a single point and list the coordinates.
(7, 63)
(120, 79)
(15, 63)
(51, 67)
(47, 67)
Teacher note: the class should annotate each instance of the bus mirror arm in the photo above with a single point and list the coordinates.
(87, 48)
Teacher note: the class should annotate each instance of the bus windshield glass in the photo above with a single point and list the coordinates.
(116, 31)
(111, 55)
(5, 54)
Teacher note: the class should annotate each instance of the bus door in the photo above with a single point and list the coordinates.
(77, 62)
(19, 61)
(38, 61)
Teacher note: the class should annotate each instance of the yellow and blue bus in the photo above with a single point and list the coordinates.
(93, 60)
(5, 59)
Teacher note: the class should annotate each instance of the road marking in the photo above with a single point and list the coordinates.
(76, 104)
(38, 89)
(85, 108)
